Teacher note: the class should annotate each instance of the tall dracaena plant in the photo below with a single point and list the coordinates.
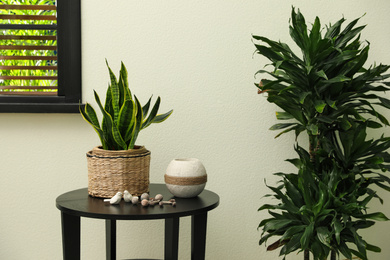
(123, 115)
(327, 93)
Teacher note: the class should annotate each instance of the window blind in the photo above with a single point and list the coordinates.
(28, 48)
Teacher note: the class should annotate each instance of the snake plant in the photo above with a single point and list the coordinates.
(123, 115)
(328, 93)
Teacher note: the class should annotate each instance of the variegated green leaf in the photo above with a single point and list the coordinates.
(138, 122)
(126, 118)
(152, 114)
(161, 117)
(111, 128)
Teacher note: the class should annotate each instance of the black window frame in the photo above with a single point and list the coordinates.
(68, 98)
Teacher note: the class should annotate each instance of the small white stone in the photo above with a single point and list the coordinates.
(144, 196)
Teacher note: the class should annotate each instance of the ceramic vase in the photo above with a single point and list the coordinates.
(186, 178)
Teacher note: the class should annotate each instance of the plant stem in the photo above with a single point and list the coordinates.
(333, 255)
(306, 255)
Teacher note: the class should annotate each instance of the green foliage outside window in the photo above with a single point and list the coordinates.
(24, 42)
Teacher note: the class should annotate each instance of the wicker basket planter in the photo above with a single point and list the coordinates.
(112, 171)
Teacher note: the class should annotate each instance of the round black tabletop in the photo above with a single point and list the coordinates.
(79, 203)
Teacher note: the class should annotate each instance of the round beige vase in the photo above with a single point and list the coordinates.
(185, 178)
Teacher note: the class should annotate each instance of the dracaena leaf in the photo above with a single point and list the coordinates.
(375, 216)
(307, 235)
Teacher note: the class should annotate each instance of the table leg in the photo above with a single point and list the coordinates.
(70, 225)
(171, 238)
(198, 236)
(110, 239)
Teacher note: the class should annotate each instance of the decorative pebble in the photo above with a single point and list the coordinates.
(159, 197)
(144, 196)
(145, 203)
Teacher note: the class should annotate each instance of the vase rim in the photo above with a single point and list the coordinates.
(186, 159)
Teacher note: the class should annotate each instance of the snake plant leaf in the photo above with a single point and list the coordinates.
(89, 115)
(162, 117)
(145, 108)
(122, 116)
(115, 94)
(109, 139)
(112, 130)
(126, 118)
(138, 123)
(122, 91)
(90, 112)
(152, 114)
(125, 82)
(108, 103)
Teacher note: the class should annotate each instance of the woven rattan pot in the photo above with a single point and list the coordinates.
(112, 171)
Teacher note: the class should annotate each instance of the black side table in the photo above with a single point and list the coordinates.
(78, 203)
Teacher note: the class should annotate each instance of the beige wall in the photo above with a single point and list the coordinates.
(196, 55)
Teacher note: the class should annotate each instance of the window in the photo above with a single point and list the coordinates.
(40, 56)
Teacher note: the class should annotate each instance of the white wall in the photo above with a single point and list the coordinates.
(196, 55)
